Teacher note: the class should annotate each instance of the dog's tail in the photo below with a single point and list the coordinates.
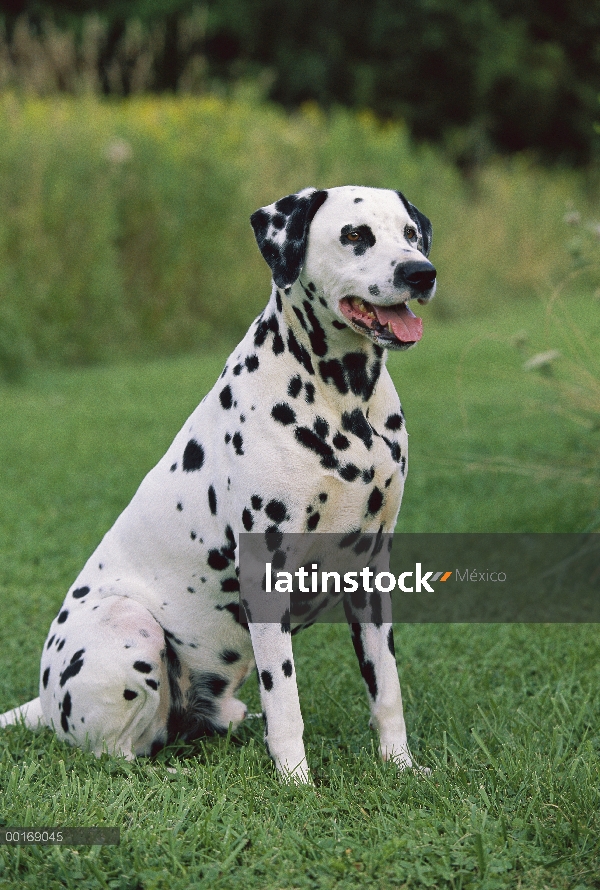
(30, 714)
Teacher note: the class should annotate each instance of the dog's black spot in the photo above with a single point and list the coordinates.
(247, 519)
(230, 585)
(394, 449)
(300, 352)
(307, 438)
(173, 467)
(373, 290)
(238, 443)
(287, 668)
(227, 438)
(142, 666)
(321, 427)
(193, 456)
(80, 592)
(129, 694)
(300, 317)
(66, 711)
(367, 668)
(357, 200)
(237, 370)
(180, 506)
(394, 422)
(369, 676)
(226, 398)
(276, 510)
(62, 617)
(313, 522)
(368, 475)
(390, 641)
(283, 413)
(309, 393)
(151, 683)
(356, 423)
(349, 472)
(212, 500)
(45, 676)
(323, 497)
(73, 667)
(360, 379)
(341, 442)
(217, 561)
(230, 656)
(278, 560)
(267, 680)
(256, 502)
(317, 336)
(60, 645)
(294, 386)
(376, 609)
(50, 641)
(333, 370)
(252, 362)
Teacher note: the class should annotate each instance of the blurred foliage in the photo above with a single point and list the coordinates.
(477, 76)
(124, 224)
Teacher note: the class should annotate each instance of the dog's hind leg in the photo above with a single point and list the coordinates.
(30, 714)
(104, 683)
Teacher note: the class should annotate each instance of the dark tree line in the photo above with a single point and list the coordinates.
(476, 75)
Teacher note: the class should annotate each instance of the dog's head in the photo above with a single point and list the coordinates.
(361, 251)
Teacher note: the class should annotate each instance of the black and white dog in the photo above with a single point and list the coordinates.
(303, 432)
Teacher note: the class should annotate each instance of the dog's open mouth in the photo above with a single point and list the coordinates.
(395, 324)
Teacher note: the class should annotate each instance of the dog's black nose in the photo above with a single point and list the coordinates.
(418, 275)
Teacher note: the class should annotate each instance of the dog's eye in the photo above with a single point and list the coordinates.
(353, 236)
(410, 233)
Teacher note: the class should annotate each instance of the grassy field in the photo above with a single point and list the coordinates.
(506, 716)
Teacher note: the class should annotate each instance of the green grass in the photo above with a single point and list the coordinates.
(506, 716)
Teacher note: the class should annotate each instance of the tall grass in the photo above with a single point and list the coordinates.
(124, 224)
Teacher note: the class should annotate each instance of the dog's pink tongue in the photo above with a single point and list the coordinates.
(407, 327)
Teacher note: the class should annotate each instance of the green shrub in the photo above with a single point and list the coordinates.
(124, 225)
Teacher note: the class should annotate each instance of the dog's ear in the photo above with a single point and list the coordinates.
(281, 231)
(423, 224)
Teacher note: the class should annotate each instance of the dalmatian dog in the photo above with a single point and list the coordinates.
(303, 432)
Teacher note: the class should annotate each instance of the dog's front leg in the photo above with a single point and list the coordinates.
(280, 702)
(374, 647)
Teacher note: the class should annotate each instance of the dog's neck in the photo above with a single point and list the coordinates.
(340, 361)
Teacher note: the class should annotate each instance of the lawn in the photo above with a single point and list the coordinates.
(506, 716)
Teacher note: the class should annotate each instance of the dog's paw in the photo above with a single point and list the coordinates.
(299, 775)
(293, 768)
(233, 711)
